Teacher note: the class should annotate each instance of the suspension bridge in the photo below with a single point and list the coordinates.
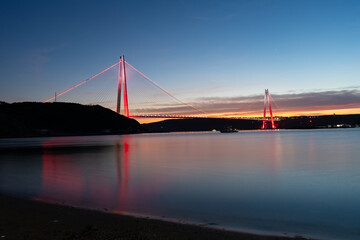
(134, 99)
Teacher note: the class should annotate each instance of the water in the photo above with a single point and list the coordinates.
(279, 182)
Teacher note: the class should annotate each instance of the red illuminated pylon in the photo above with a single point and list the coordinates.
(267, 101)
(122, 84)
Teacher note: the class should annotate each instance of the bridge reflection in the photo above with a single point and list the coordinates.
(71, 176)
(123, 171)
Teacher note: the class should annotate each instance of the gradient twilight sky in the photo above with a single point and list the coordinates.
(305, 52)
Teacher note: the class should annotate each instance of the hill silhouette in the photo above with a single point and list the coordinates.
(29, 119)
(208, 124)
(201, 124)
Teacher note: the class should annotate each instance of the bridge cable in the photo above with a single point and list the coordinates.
(81, 83)
(274, 102)
(251, 103)
(167, 92)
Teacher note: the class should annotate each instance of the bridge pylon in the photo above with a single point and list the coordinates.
(122, 85)
(267, 102)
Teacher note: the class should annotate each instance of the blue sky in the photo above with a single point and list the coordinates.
(195, 49)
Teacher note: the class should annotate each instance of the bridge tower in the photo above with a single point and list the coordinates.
(122, 84)
(267, 101)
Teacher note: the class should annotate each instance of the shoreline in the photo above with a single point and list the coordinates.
(29, 219)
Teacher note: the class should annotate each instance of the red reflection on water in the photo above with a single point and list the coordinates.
(60, 174)
(122, 160)
(84, 178)
(96, 177)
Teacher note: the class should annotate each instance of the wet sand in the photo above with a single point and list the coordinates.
(25, 219)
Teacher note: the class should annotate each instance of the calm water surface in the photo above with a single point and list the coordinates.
(289, 182)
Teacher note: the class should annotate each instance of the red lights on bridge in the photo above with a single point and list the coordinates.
(122, 86)
(265, 124)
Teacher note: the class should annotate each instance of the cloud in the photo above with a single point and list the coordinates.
(290, 102)
(312, 103)
(318, 99)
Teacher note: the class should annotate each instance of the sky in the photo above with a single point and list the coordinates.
(217, 55)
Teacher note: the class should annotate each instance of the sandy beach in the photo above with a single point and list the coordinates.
(26, 219)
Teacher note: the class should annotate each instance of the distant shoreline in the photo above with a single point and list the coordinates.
(155, 132)
(22, 219)
(208, 124)
(34, 119)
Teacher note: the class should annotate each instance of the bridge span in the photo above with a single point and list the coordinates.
(122, 99)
